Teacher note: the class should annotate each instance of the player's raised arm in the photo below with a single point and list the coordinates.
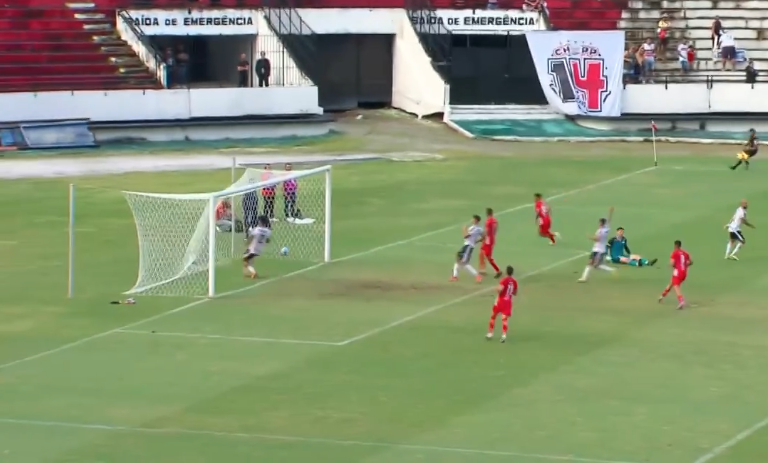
(610, 214)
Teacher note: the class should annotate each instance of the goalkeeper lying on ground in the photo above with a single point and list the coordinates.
(620, 254)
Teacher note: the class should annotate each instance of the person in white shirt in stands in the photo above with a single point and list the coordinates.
(649, 60)
(728, 50)
(682, 57)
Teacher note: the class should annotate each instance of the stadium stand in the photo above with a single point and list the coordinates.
(53, 45)
(691, 20)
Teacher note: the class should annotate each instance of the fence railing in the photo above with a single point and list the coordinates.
(142, 46)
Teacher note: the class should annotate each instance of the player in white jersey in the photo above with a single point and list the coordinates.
(736, 236)
(258, 238)
(472, 235)
(600, 243)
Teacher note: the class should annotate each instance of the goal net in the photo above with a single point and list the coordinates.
(183, 238)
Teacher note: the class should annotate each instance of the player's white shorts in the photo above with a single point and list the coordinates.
(737, 235)
(596, 258)
(465, 254)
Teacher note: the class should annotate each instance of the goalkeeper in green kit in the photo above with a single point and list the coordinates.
(619, 252)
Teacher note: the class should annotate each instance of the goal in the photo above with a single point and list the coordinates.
(184, 238)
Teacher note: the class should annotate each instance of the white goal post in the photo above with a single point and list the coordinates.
(184, 240)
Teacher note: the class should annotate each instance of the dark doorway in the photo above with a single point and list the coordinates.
(493, 70)
(356, 71)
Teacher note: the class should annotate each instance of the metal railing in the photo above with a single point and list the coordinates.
(296, 38)
(433, 35)
(149, 54)
(710, 80)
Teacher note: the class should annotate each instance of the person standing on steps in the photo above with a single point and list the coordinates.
(263, 70)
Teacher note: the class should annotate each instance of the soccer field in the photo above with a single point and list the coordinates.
(377, 357)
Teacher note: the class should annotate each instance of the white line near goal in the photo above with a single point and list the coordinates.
(731, 443)
(298, 272)
(455, 301)
(231, 338)
(306, 440)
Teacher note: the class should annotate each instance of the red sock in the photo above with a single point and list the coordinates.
(665, 292)
(680, 299)
(493, 264)
(504, 325)
(551, 238)
(492, 324)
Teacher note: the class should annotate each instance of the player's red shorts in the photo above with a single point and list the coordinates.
(487, 250)
(678, 277)
(504, 308)
(544, 226)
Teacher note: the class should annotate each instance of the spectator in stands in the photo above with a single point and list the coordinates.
(682, 56)
(647, 56)
(263, 70)
(717, 29)
(663, 33)
(751, 72)
(632, 70)
(170, 68)
(692, 57)
(534, 6)
(182, 66)
(493, 4)
(727, 50)
(243, 69)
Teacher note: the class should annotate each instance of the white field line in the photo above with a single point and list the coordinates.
(435, 308)
(308, 440)
(736, 439)
(362, 336)
(697, 169)
(231, 338)
(298, 272)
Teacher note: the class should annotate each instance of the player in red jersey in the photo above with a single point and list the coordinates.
(486, 252)
(507, 289)
(680, 261)
(544, 219)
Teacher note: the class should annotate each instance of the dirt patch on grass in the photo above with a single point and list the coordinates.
(341, 288)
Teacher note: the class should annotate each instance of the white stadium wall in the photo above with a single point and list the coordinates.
(158, 105)
(417, 87)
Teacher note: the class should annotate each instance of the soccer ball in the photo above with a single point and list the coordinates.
(284, 251)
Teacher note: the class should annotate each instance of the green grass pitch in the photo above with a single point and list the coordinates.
(377, 358)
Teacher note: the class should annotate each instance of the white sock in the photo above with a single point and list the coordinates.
(470, 269)
(455, 270)
(251, 269)
(586, 272)
(728, 249)
(606, 268)
(736, 249)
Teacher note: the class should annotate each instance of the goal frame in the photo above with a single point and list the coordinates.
(213, 199)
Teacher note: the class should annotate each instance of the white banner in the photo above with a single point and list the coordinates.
(476, 21)
(580, 72)
(195, 22)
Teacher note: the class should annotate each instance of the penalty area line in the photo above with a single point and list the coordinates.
(230, 338)
(435, 308)
(299, 272)
(306, 440)
(731, 443)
